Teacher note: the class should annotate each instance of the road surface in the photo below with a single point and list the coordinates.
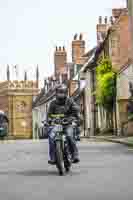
(104, 173)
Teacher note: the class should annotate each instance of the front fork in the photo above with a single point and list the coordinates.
(59, 138)
(64, 145)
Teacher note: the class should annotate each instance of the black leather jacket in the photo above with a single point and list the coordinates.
(69, 108)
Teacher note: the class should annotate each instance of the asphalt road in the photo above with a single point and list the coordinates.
(104, 173)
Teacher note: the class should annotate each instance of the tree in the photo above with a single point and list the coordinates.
(106, 88)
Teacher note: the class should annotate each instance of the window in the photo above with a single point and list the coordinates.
(113, 43)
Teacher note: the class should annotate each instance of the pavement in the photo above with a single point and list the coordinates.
(115, 139)
(122, 140)
(104, 173)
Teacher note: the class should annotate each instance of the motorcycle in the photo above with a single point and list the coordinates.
(62, 148)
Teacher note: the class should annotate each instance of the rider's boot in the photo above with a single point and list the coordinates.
(75, 159)
(51, 152)
(51, 162)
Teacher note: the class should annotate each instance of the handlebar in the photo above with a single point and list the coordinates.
(63, 121)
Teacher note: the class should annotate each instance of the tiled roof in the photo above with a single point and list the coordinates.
(89, 53)
(43, 98)
(95, 53)
(126, 65)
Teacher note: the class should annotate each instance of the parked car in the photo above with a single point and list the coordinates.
(3, 124)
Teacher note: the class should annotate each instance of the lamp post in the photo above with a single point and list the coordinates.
(23, 124)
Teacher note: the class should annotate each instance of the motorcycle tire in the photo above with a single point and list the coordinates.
(67, 167)
(59, 158)
(67, 162)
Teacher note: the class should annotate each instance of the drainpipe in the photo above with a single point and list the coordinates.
(94, 104)
(115, 107)
(130, 12)
(93, 117)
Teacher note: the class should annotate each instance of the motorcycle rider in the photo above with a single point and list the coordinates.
(62, 104)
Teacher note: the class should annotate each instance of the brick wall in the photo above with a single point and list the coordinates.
(125, 40)
(120, 41)
(60, 60)
(119, 38)
(78, 50)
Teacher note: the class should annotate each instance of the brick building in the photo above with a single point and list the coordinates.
(78, 60)
(112, 43)
(63, 72)
(60, 63)
(117, 46)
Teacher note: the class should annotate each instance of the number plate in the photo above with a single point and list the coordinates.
(59, 128)
(64, 138)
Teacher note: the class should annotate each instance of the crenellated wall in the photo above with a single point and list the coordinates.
(16, 100)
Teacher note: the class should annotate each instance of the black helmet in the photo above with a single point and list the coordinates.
(61, 92)
(62, 88)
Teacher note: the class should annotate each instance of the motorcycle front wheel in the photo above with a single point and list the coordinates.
(59, 158)
(67, 159)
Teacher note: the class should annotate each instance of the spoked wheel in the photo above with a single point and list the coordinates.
(59, 158)
(67, 160)
(67, 164)
(67, 168)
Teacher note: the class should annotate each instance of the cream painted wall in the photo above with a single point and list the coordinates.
(123, 83)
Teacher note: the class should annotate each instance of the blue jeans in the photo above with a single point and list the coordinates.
(71, 140)
(77, 132)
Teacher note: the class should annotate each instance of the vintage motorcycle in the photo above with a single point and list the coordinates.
(62, 147)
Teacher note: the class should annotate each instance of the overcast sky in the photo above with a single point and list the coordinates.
(30, 29)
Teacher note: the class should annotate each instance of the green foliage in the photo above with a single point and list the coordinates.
(106, 86)
(130, 116)
(105, 66)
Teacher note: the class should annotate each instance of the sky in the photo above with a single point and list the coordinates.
(30, 30)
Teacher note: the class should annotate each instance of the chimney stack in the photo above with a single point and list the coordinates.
(116, 12)
(102, 28)
(60, 61)
(78, 49)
